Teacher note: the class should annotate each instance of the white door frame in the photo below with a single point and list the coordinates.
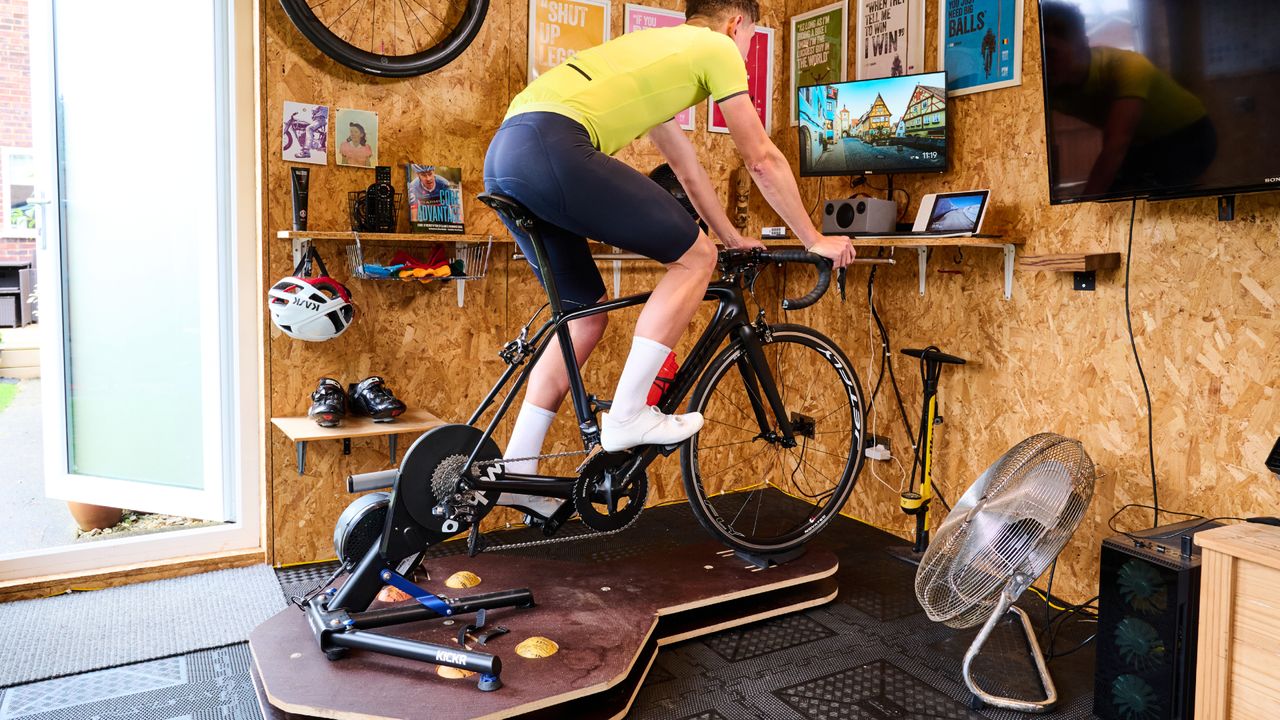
(242, 449)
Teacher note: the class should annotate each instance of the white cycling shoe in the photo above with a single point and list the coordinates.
(647, 427)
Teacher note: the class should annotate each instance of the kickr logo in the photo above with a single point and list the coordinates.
(445, 656)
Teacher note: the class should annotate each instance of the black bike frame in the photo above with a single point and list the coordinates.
(730, 320)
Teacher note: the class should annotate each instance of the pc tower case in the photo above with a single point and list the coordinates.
(1148, 612)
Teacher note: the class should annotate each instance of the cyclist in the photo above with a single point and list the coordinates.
(553, 153)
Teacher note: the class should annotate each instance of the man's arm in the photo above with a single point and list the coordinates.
(683, 159)
(772, 173)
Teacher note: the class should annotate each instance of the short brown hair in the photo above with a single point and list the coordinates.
(716, 8)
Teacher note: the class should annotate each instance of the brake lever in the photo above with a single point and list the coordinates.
(840, 282)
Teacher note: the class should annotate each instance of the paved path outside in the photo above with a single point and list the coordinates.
(31, 521)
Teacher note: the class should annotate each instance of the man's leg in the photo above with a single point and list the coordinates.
(664, 319)
(547, 385)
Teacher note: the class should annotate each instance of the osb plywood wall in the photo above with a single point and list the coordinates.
(1204, 300)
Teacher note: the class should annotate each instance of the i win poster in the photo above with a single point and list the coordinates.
(982, 44)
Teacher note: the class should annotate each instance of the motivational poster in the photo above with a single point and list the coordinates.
(559, 29)
(890, 38)
(819, 50)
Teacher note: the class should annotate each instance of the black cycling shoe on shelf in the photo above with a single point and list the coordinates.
(373, 398)
(328, 403)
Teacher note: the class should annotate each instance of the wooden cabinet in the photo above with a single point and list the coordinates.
(1238, 668)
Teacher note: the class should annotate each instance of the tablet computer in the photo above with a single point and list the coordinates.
(955, 212)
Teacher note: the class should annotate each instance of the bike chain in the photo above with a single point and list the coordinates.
(551, 541)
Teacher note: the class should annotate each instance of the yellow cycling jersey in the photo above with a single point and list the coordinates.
(625, 87)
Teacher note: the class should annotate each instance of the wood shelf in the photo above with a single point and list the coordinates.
(915, 241)
(1070, 262)
(391, 237)
(302, 430)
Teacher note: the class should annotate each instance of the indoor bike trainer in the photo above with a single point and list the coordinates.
(452, 477)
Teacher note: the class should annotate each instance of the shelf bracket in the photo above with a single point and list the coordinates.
(1010, 251)
(301, 448)
(462, 291)
(1010, 257)
(922, 256)
(392, 441)
(300, 247)
(617, 278)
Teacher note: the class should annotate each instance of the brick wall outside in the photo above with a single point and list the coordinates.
(15, 102)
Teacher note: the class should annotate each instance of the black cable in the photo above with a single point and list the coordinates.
(1086, 641)
(1060, 620)
(817, 200)
(1111, 523)
(1048, 593)
(893, 380)
(871, 279)
(1128, 317)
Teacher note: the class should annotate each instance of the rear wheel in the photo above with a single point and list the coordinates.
(389, 39)
(745, 484)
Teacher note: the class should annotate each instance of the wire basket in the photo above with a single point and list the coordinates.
(470, 261)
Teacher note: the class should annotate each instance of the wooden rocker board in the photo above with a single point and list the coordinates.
(608, 619)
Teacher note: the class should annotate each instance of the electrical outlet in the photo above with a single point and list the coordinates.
(870, 441)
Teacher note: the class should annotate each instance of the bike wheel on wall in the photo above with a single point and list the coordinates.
(389, 38)
(753, 492)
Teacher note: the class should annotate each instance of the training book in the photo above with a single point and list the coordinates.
(435, 198)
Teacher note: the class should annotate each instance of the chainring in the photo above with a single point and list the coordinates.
(605, 514)
(430, 476)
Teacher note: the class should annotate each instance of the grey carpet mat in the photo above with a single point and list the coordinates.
(67, 634)
(205, 685)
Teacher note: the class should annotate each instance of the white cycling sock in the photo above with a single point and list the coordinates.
(642, 367)
(526, 437)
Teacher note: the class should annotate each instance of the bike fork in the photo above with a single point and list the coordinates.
(759, 380)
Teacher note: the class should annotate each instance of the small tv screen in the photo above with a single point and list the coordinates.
(886, 125)
(1160, 98)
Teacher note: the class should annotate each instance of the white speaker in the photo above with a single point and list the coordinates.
(860, 214)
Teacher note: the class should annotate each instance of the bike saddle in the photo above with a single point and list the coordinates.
(508, 207)
(932, 354)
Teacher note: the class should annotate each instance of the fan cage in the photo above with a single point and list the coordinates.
(1006, 529)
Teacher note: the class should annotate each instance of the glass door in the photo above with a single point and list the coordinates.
(146, 109)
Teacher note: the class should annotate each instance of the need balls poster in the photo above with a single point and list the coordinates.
(981, 44)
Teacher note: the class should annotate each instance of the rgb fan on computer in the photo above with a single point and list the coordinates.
(1139, 644)
(1142, 588)
(1134, 699)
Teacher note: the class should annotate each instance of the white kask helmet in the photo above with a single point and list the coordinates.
(310, 308)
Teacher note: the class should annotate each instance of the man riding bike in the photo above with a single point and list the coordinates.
(553, 154)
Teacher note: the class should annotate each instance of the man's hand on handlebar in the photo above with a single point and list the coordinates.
(742, 242)
(836, 249)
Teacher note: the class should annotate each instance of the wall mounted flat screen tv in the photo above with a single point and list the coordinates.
(1161, 98)
(887, 125)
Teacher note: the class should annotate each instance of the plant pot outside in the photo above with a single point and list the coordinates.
(93, 517)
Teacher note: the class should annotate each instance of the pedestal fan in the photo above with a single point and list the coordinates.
(1001, 535)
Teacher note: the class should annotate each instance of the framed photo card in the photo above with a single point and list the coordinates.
(981, 44)
(819, 49)
(356, 137)
(559, 29)
(305, 129)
